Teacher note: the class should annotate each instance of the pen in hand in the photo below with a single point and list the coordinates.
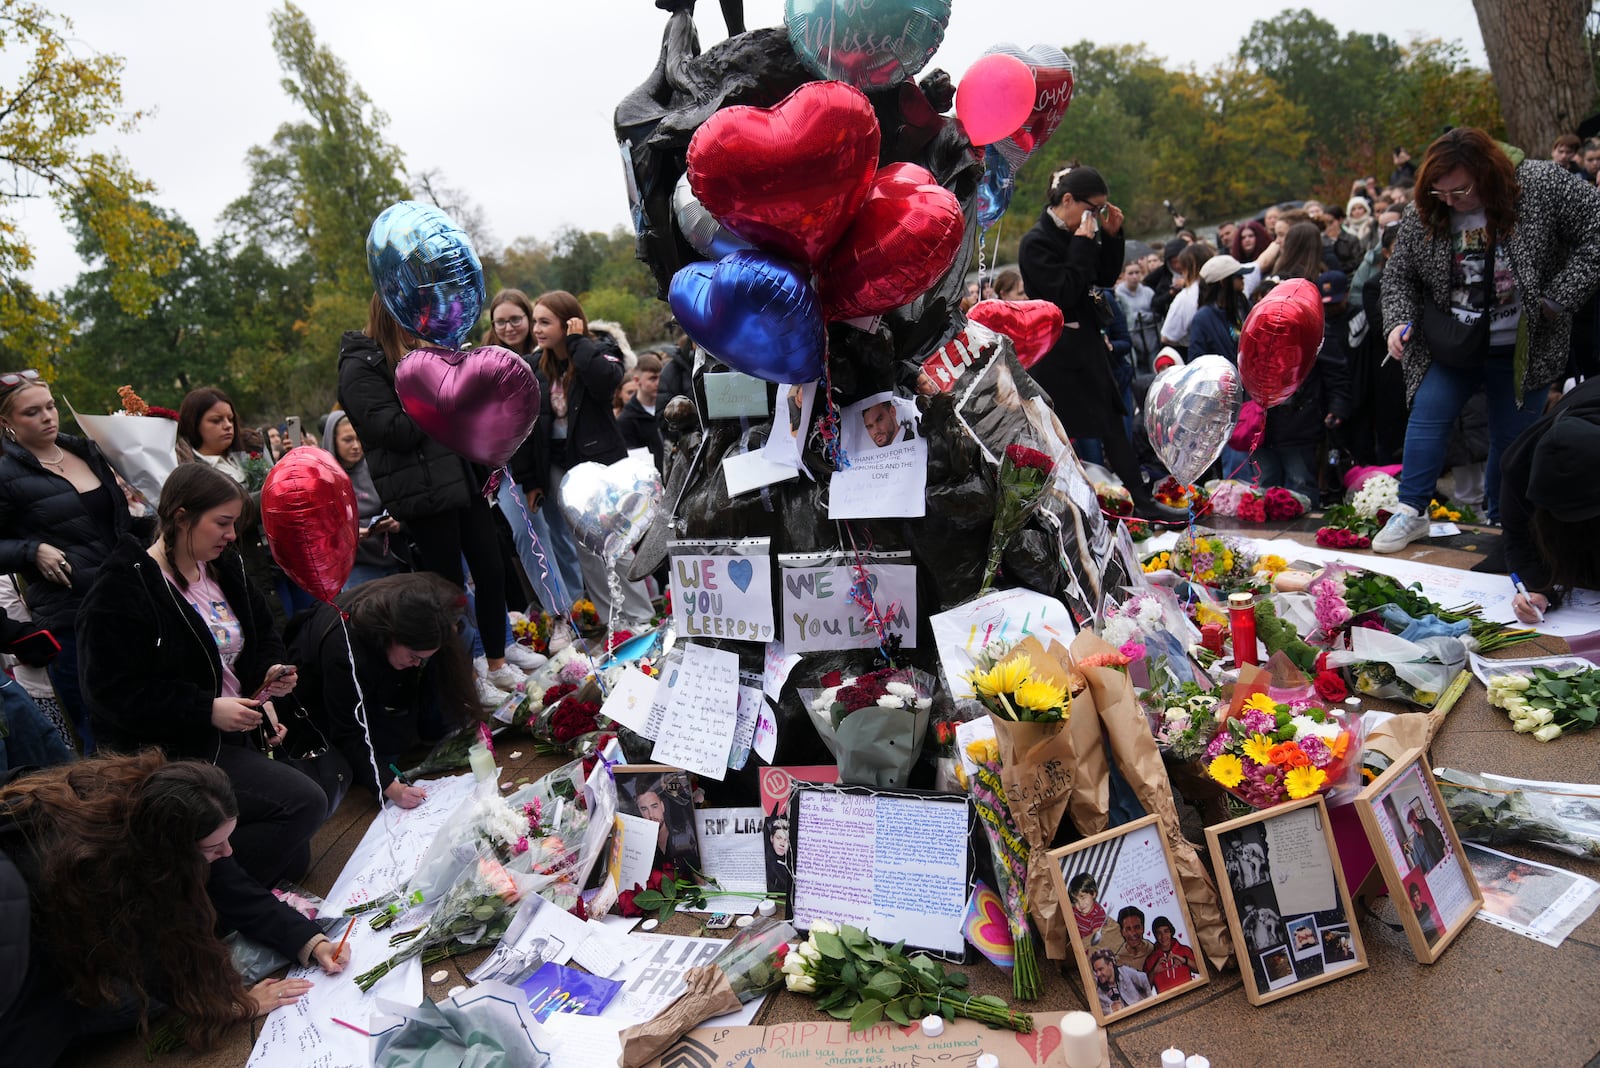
(1517, 582)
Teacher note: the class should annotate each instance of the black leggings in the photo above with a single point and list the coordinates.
(443, 539)
(279, 810)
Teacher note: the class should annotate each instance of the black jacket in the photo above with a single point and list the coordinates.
(639, 428)
(147, 663)
(393, 700)
(1516, 469)
(39, 506)
(416, 476)
(1063, 268)
(591, 428)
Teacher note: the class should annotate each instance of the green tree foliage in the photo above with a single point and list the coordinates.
(51, 103)
(600, 269)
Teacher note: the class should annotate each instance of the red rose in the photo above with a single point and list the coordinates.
(654, 882)
(625, 903)
(781, 952)
(557, 692)
(1330, 686)
(1022, 456)
(831, 679)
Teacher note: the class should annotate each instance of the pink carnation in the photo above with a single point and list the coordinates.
(1257, 722)
(1317, 750)
(1132, 650)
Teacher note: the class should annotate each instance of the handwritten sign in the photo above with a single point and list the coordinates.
(1005, 616)
(888, 472)
(823, 603)
(697, 731)
(629, 701)
(896, 865)
(731, 394)
(723, 589)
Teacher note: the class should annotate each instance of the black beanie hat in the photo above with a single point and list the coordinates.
(1561, 479)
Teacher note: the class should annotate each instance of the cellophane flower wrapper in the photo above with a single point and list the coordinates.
(578, 814)
(1494, 812)
(876, 744)
(1388, 666)
(449, 754)
(1152, 616)
(255, 961)
(1025, 474)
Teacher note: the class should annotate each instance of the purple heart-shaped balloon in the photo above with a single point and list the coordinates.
(754, 312)
(480, 403)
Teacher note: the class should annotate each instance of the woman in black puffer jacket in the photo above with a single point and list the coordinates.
(430, 489)
(61, 513)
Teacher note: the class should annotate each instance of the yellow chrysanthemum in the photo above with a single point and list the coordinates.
(1004, 677)
(1303, 782)
(1204, 613)
(1226, 770)
(1258, 747)
(1260, 702)
(1039, 696)
(983, 751)
(1270, 565)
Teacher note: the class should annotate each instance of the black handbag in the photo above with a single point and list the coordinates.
(1453, 343)
(322, 763)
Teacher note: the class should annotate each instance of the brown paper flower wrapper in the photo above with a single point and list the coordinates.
(708, 994)
(1139, 759)
(1049, 769)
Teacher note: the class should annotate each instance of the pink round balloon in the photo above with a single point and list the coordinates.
(1280, 340)
(309, 514)
(481, 404)
(994, 98)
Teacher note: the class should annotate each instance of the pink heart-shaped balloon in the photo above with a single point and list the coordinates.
(1052, 88)
(1280, 340)
(1034, 326)
(1040, 1044)
(788, 178)
(902, 240)
(481, 404)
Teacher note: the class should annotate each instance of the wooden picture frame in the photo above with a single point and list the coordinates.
(1292, 921)
(673, 789)
(1421, 852)
(1129, 870)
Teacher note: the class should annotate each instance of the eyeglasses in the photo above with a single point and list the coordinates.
(17, 378)
(501, 324)
(1448, 195)
(1102, 210)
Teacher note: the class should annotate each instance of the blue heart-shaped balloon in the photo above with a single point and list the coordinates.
(426, 271)
(754, 312)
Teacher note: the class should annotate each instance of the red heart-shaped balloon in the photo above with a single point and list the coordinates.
(308, 511)
(1052, 87)
(1279, 343)
(481, 404)
(788, 178)
(902, 240)
(1034, 326)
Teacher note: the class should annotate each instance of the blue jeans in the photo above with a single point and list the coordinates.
(30, 740)
(1438, 403)
(64, 678)
(1294, 468)
(367, 572)
(292, 597)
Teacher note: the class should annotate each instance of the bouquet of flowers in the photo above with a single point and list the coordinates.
(448, 754)
(1150, 622)
(1114, 499)
(1213, 560)
(752, 964)
(1379, 493)
(1548, 704)
(567, 712)
(1495, 812)
(534, 631)
(859, 979)
(1451, 512)
(586, 619)
(874, 723)
(1010, 852)
(1012, 687)
(1174, 494)
(255, 466)
(1183, 720)
(1275, 752)
(473, 913)
(1024, 475)
(1253, 505)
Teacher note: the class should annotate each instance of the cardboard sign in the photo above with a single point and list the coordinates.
(819, 611)
(722, 589)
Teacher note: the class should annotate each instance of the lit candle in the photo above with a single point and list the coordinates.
(482, 762)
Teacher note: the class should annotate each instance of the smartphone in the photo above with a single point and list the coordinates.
(291, 438)
(272, 676)
(36, 649)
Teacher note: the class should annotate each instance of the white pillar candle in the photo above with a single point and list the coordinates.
(1080, 1040)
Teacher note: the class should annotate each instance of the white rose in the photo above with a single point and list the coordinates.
(823, 927)
(1547, 732)
(800, 984)
(900, 689)
(793, 963)
(890, 701)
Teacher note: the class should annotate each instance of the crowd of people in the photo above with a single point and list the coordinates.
(230, 711)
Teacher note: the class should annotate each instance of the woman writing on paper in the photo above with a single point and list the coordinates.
(130, 879)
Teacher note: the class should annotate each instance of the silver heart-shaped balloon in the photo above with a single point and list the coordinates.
(610, 506)
(700, 228)
(1189, 413)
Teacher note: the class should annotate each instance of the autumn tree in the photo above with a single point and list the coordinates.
(1543, 67)
(49, 111)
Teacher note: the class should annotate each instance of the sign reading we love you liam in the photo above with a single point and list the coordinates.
(825, 603)
(723, 589)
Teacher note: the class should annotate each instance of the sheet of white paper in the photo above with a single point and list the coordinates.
(395, 842)
(747, 717)
(1539, 901)
(722, 589)
(731, 854)
(638, 849)
(888, 472)
(1302, 871)
(1005, 616)
(775, 671)
(789, 424)
(766, 740)
(751, 470)
(1443, 530)
(605, 950)
(972, 730)
(655, 977)
(702, 713)
(629, 700)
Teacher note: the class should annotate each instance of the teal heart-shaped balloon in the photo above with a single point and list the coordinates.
(869, 45)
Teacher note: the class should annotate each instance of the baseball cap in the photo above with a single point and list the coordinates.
(1335, 286)
(1220, 268)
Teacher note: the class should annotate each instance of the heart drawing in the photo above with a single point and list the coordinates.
(1040, 1044)
(741, 571)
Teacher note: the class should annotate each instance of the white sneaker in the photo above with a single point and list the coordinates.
(480, 666)
(506, 678)
(489, 695)
(1404, 527)
(524, 659)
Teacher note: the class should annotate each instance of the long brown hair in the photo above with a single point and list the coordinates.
(563, 306)
(419, 611)
(122, 883)
(194, 489)
(394, 339)
(520, 300)
(1494, 179)
(1302, 253)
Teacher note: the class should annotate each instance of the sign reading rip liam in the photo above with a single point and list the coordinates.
(826, 606)
(723, 589)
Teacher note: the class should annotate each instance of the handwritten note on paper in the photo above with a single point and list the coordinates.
(775, 671)
(765, 743)
(629, 700)
(731, 854)
(395, 842)
(1002, 616)
(722, 589)
(819, 611)
(702, 712)
(896, 866)
(638, 850)
(1297, 856)
(751, 707)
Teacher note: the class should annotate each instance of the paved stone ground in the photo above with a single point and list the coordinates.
(1494, 998)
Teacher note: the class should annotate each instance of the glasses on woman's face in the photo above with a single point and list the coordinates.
(1451, 195)
(17, 378)
(507, 323)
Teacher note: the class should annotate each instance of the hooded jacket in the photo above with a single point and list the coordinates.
(416, 476)
(1516, 471)
(147, 663)
(38, 506)
(591, 428)
(373, 550)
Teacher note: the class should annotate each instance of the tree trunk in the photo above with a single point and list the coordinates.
(1541, 68)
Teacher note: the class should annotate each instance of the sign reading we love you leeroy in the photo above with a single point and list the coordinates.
(723, 589)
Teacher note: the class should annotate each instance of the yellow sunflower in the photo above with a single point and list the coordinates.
(1303, 782)
(1260, 702)
(1226, 770)
(1004, 677)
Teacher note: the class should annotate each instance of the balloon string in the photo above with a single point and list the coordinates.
(366, 736)
(861, 593)
(828, 423)
(547, 575)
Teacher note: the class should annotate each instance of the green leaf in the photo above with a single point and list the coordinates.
(851, 977)
(648, 899)
(832, 998)
(886, 983)
(957, 980)
(854, 938)
(842, 1012)
(829, 945)
(991, 1001)
(897, 1013)
(868, 1013)
(669, 887)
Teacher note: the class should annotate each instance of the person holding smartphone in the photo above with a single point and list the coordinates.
(173, 637)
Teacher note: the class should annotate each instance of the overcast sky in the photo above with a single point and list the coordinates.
(513, 101)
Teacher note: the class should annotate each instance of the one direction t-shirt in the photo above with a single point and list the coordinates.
(208, 599)
(1469, 245)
